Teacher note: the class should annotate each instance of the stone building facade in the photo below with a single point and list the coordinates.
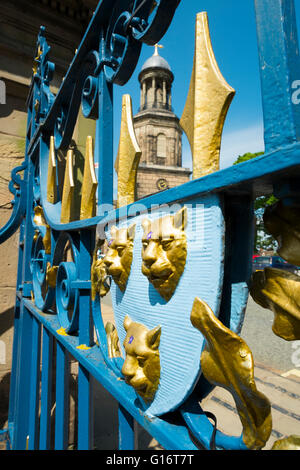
(157, 127)
(20, 20)
(158, 131)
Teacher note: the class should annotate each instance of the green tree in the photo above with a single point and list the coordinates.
(263, 240)
(247, 156)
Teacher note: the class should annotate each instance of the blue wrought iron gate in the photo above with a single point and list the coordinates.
(166, 318)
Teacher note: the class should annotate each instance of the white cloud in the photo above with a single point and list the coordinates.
(234, 143)
(237, 143)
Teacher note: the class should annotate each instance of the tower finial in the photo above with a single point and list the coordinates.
(156, 48)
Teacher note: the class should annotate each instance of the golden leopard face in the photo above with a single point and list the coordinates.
(118, 258)
(100, 283)
(141, 367)
(164, 251)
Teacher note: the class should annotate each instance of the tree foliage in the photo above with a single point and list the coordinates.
(263, 240)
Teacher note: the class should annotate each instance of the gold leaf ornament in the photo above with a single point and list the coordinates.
(227, 361)
(279, 291)
(289, 443)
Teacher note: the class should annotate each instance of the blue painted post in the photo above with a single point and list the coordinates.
(85, 388)
(239, 247)
(104, 144)
(126, 430)
(85, 410)
(280, 71)
(46, 389)
(34, 385)
(23, 369)
(28, 233)
(85, 313)
(14, 368)
(62, 398)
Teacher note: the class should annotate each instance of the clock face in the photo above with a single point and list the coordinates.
(162, 184)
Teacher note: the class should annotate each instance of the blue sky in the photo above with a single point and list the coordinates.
(233, 34)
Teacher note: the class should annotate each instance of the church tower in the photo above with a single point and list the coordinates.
(157, 130)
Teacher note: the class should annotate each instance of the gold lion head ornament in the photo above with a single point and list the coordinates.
(141, 367)
(118, 258)
(164, 251)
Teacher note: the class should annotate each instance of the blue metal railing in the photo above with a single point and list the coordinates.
(44, 329)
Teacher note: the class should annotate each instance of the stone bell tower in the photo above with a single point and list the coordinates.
(158, 131)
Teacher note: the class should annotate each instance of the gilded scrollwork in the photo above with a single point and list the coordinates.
(141, 367)
(164, 251)
(227, 361)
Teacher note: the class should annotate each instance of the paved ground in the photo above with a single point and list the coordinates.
(273, 359)
(275, 375)
(284, 396)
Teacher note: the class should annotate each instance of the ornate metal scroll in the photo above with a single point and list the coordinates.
(156, 262)
(227, 361)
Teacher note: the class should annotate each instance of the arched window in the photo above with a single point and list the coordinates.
(161, 146)
(2, 352)
(2, 92)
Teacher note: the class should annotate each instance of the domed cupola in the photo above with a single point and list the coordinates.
(156, 80)
(158, 131)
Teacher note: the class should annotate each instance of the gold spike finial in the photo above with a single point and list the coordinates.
(208, 101)
(51, 181)
(67, 210)
(89, 184)
(128, 157)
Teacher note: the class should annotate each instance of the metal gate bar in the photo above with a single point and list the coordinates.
(43, 335)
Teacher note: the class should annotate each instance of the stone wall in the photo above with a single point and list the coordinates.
(65, 22)
(149, 178)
